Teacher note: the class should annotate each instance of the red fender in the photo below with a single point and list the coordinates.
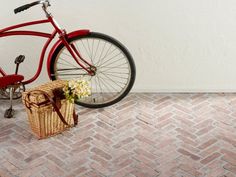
(59, 42)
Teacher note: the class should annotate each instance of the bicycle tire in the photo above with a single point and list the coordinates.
(97, 37)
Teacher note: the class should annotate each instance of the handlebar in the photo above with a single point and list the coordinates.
(45, 3)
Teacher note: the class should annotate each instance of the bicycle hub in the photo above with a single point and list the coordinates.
(93, 70)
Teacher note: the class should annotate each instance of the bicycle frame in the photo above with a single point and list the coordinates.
(2, 72)
(63, 38)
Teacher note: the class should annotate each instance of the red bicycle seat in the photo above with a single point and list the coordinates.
(10, 80)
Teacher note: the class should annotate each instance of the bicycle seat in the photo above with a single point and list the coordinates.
(10, 80)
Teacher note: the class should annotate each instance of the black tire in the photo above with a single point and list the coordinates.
(99, 38)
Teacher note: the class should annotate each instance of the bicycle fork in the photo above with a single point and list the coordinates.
(91, 70)
(77, 57)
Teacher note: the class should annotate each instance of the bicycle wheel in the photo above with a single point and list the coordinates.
(115, 68)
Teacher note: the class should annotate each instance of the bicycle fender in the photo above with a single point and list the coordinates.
(59, 42)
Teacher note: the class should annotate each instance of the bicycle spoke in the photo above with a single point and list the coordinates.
(116, 73)
(77, 48)
(114, 76)
(105, 82)
(114, 82)
(109, 59)
(101, 90)
(64, 67)
(66, 61)
(118, 66)
(72, 74)
(63, 64)
(110, 92)
(85, 48)
(70, 69)
(92, 51)
(97, 49)
(69, 55)
(118, 60)
(113, 71)
(106, 53)
(111, 52)
(103, 95)
(99, 84)
(89, 50)
(95, 84)
(102, 52)
(105, 61)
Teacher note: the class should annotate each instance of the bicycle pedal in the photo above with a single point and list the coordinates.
(19, 59)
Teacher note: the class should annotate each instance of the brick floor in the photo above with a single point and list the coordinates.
(145, 135)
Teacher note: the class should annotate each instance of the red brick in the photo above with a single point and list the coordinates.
(210, 158)
(229, 159)
(127, 104)
(193, 156)
(99, 168)
(101, 153)
(230, 168)
(204, 130)
(187, 140)
(75, 173)
(186, 134)
(103, 139)
(35, 156)
(190, 170)
(123, 172)
(210, 150)
(145, 140)
(124, 142)
(229, 153)
(207, 144)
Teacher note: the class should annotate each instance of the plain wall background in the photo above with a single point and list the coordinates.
(178, 45)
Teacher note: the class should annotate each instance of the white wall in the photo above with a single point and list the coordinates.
(178, 45)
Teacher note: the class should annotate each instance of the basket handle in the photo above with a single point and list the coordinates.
(45, 94)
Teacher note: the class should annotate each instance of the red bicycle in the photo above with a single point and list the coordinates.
(99, 58)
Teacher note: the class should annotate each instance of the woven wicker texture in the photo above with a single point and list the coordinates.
(47, 87)
(43, 119)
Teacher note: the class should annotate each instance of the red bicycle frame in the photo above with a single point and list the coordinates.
(63, 38)
(2, 72)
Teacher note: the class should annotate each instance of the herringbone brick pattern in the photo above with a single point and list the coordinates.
(145, 135)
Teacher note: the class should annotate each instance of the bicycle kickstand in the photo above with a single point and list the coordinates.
(9, 112)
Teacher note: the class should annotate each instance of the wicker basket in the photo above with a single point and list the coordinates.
(49, 113)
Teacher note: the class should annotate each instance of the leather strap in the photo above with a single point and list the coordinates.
(28, 105)
(75, 117)
(58, 96)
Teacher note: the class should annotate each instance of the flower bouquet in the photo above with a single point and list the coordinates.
(75, 90)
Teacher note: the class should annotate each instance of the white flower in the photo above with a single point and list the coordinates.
(77, 89)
